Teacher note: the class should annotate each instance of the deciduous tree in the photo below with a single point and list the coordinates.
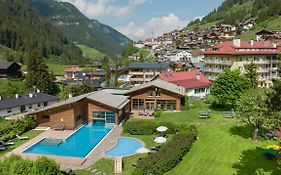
(228, 88)
(252, 109)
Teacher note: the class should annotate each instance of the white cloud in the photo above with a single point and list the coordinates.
(155, 26)
(138, 2)
(102, 8)
(132, 30)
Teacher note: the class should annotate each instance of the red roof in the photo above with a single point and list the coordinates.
(245, 48)
(73, 70)
(187, 80)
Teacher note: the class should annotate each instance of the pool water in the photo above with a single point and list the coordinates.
(124, 147)
(78, 144)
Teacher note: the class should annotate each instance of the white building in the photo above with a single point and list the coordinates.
(179, 55)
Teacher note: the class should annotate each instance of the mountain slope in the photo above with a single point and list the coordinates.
(80, 29)
(233, 11)
(23, 29)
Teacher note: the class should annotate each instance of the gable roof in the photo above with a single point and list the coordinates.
(186, 79)
(245, 48)
(113, 101)
(26, 100)
(159, 84)
(7, 64)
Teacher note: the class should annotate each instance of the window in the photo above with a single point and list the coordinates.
(29, 106)
(9, 110)
(150, 93)
(110, 117)
(158, 92)
(138, 104)
(171, 105)
(40, 105)
(200, 90)
(99, 115)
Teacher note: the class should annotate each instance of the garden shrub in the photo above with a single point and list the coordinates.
(169, 155)
(158, 113)
(9, 129)
(17, 165)
(141, 127)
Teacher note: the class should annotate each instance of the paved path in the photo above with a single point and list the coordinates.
(99, 152)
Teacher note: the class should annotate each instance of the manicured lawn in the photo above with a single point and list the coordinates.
(31, 134)
(222, 148)
(225, 150)
(191, 116)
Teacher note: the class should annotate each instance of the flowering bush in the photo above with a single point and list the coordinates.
(274, 147)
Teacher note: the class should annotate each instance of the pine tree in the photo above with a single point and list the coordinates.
(107, 76)
(38, 75)
(252, 75)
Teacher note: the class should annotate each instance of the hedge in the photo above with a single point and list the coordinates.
(149, 127)
(169, 155)
(17, 165)
(9, 129)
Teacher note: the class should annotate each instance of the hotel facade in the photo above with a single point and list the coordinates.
(238, 54)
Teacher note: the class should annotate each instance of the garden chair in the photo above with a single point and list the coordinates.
(58, 127)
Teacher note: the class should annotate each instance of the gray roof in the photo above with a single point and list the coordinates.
(26, 100)
(149, 65)
(116, 91)
(108, 99)
(114, 101)
(160, 84)
(6, 65)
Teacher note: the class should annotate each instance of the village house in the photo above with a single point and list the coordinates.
(144, 72)
(238, 54)
(10, 70)
(98, 106)
(194, 82)
(72, 72)
(157, 94)
(179, 56)
(28, 102)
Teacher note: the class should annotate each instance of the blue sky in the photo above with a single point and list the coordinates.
(140, 19)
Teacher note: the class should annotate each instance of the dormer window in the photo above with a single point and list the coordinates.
(158, 92)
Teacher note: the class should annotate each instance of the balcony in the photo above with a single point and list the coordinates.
(212, 78)
(263, 70)
(228, 63)
(135, 73)
(215, 70)
(136, 79)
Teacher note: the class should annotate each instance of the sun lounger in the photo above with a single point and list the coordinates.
(6, 143)
(2, 148)
(22, 137)
(58, 127)
(203, 117)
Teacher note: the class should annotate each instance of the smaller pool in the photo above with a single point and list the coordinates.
(125, 147)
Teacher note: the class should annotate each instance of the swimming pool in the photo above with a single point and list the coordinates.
(78, 144)
(125, 147)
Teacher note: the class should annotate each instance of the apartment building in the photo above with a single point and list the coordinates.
(238, 54)
(140, 73)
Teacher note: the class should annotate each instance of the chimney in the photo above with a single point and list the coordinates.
(197, 76)
(69, 95)
(38, 91)
(237, 42)
(274, 45)
(30, 95)
(17, 96)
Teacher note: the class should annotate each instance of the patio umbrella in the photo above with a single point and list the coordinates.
(160, 140)
(142, 151)
(161, 129)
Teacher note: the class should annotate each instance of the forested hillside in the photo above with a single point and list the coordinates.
(23, 29)
(80, 29)
(233, 11)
